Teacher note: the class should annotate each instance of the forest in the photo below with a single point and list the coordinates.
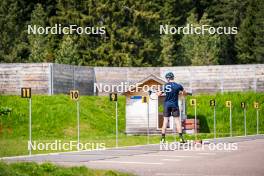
(131, 32)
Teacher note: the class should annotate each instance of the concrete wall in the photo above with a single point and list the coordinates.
(196, 79)
(46, 78)
(14, 76)
(68, 77)
(225, 78)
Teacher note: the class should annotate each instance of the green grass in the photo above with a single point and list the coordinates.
(54, 118)
(48, 169)
(205, 112)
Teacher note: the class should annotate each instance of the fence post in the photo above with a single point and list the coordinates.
(50, 91)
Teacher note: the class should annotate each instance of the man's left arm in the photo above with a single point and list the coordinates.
(182, 91)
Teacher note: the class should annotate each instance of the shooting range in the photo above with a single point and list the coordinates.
(122, 88)
(130, 117)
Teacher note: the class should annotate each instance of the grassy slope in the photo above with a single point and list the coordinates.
(54, 117)
(205, 112)
(47, 169)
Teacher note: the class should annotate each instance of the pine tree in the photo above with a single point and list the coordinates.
(258, 49)
(167, 51)
(10, 29)
(250, 39)
(174, 13)
(200, 49)
(38, 42)
(15, 15)
(132, 32)
(68, 51)
(227, 13)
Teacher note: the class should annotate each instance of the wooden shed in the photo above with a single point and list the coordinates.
(138, 112)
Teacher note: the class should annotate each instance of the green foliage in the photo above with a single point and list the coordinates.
(5, 110)
(38, 42)
(250, 45)
(67, 52)
(132, 32)
(48, 169)
(201, 49)
(167, 51)
(13, 46)
(227, 13)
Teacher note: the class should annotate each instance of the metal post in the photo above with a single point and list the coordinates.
(116, 125)
(30, 126)
(148, 121)
(230, 118)
(78, 124)
(195, 122)
(214, 124)
(257, 121)
(245, 121)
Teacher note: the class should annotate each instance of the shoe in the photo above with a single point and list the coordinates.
(182, 140)
(162, 139)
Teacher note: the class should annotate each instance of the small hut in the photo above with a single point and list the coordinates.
(142, 109)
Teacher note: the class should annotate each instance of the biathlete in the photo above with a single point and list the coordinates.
(171, 107)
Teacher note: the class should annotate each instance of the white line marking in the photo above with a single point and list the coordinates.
(172, 174)
(182, 174)
(69, 152)
(171, 156)
(126, 162)
(171, 160)
(206, 153)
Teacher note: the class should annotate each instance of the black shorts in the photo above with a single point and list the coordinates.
(169, 111)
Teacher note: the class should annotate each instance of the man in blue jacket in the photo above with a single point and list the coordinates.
(171, 107)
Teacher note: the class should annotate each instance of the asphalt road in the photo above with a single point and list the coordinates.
(234, 156)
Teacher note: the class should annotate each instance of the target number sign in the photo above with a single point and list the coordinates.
(192, 102)
(113, 96)
(74, 95)
(228, 104)
(256, 105)
(144, 99)
(25, 92)
(243, 105)
(212, 102)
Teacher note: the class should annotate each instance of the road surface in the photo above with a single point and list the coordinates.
(247, 159)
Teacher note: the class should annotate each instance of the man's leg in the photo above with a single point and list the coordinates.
(179, 128)
(178, 124)
(164, 127)
(165, 124)
(166, 116)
